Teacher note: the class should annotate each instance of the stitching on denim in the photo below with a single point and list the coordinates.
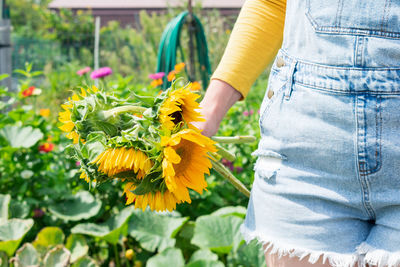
(356, 110)
(345, 92)
(383, 15)
(363, 61)
(357, 31)
(305, 62)
(339, 12)
(355, 51)
(338, 29)
(359, 51)
(363, 165)
(378, 140)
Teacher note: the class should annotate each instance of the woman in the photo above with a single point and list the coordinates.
(327, 177)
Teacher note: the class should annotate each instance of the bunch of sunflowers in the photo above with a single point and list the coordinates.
(147, 142)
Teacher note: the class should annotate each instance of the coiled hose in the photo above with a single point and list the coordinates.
(170, 43)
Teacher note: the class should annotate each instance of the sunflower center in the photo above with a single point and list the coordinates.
(177, 116)
(184, 150)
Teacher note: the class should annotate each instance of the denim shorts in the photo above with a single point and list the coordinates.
(327, 176)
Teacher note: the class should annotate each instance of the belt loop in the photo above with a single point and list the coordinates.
(288, 90)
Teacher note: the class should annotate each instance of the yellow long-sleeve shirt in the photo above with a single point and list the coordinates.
(255, 39)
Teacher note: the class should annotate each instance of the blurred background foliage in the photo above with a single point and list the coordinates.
(48, 216)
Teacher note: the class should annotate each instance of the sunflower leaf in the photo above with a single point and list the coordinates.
(21, 136)
(110, 230)
(219, 234)
(167, 258)
(4, 204)
(78, 207)
(154, 231)
(11, 234)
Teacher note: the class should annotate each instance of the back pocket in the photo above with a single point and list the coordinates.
(355, 17)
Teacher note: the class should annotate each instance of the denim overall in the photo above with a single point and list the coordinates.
(327, 176)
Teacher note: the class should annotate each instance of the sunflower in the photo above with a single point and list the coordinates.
(65, 116)
(185, 162)
(84, 175)
(156, 201)
(117, 160)
(180, 105)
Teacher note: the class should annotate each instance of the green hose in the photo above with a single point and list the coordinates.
(170, 43)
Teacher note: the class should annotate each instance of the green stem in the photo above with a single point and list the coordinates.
(123, 109)
(220, 168)
(234, 139)
(225, 153)
(116, 254)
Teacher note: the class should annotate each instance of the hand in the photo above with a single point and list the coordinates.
(220, 96)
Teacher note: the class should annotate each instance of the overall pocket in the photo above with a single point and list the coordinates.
(275, 91)
(355, 17)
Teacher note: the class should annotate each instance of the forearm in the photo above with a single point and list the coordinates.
(219, 97)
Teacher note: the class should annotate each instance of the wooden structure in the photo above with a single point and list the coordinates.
(5, 44)
(127, 11)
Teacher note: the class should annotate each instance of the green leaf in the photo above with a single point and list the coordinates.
(3, 76)
(80, 206)
(26, 256)
(4, 204)
(11, 234)
(205, 263)
(109, 128)
(110, 230)
(3, 259)
(57, 257)
(251, 255)
(153, 230)
(220, 234)
(19, 209)
(48, 237)
(77, 245)
(203, 254)
(85, 262)
(169, 257)
(21, 136)
(238, 211)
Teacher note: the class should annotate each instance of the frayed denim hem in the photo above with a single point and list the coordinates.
(379, 257)
(335, 259)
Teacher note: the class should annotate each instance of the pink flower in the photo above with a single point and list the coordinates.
(78, 163)
(238, 169)
(83, 71)
(248, 113)
(38, 213)
(102, 72)
(228, 164)
(156, 76)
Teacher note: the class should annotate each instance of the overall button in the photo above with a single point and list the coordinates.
(280, 62)
(270, 93)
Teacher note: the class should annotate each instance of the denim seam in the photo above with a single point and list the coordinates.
(304, 62)
(356, 147)
(383, 15)
(361, 177)
(349, 30)
(345, 92)
(378, 146)
(340, 10)
(355, 51)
